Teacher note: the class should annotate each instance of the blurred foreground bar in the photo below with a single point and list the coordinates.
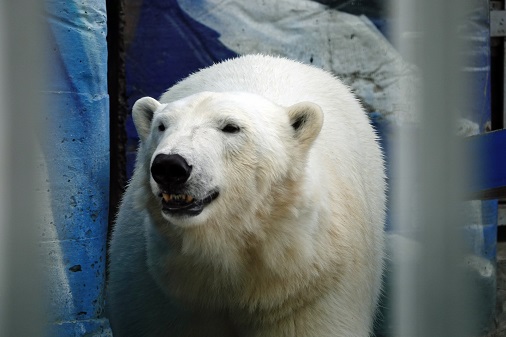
(435, 293)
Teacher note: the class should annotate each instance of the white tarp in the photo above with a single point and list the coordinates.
(349, 46)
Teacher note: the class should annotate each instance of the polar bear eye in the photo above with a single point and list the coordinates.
(161, 127)
(231, 128)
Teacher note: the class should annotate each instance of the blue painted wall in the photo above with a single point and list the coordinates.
(76, 161)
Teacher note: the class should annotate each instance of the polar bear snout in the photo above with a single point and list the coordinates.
(179, 197)
(170, 170)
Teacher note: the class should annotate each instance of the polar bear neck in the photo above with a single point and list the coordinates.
(248, 259)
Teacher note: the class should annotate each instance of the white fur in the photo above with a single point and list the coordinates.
(292, 246)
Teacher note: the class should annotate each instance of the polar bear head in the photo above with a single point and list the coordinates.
(222, 156)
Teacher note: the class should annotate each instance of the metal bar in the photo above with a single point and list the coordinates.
(432, 292)
(21, 71)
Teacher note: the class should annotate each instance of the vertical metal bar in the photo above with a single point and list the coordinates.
(432, 294)
(21, 70)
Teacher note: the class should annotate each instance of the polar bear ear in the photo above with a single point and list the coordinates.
(142, 113)
(306, 119)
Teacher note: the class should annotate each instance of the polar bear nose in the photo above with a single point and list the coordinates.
(169, 170)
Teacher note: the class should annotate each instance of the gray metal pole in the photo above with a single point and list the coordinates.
(21, 69)
(433, 294)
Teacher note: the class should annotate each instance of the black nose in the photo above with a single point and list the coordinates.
(170, 170)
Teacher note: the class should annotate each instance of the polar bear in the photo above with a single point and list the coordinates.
(256, 208)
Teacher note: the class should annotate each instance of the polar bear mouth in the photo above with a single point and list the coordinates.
(184, 204)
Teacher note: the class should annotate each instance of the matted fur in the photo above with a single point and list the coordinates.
(292, 246)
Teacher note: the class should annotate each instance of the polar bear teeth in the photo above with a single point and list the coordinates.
(177, 197)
